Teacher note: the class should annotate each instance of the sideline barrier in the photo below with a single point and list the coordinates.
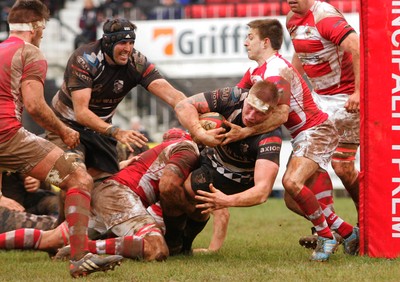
(380, 129)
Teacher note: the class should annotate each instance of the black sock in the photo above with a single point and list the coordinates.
(174, 226)
(192, 229)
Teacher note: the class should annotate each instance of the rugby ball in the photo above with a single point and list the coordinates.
(212, 120)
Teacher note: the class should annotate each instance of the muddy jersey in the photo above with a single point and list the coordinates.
(87, 68)
(303, 113)
(316, 38)
(143, 175)
(20, 61)
(240, 157)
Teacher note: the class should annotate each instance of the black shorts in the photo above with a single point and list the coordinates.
(206, 174)
(100, 151)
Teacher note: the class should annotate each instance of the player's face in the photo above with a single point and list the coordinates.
(251, 116)
(254, 45)
(37, 36)
(300, 6)
(122, 52)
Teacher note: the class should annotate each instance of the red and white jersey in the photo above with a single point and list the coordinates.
(316, 38)
(304, 113)
(143, 175)
(20, 60)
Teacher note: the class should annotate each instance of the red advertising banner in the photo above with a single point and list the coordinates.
(380, 129)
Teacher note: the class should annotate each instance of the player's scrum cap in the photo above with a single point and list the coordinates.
(263, 95)
(115, 31)
(176, 133)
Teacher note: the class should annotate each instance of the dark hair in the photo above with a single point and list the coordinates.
(115, 31)
(27, 11)
(269, 28)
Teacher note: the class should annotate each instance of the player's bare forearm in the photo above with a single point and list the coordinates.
(165, 91)
(45, 117)
(188, 111)
(277, 118)
(172, 195)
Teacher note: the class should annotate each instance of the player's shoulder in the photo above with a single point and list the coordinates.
(273, 136)
(325, 10)
(32, 51)
(88, 56)
(138, 57)
(276, 65)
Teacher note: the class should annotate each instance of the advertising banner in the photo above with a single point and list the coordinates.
(204, 47)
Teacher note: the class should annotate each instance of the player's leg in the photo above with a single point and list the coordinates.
(61, 170)
(140, 236)
(35, 239)
(349, 233)
(343, 163)
(13, 220)
(343, 159)
(320, 184)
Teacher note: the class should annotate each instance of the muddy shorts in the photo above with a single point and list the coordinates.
(347, 124)
(116, 204)
(317, 143)
(24, 151)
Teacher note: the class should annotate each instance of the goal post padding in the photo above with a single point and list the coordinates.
(380, 129)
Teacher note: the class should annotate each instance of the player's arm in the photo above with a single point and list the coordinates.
(172, 195)
(278, 117)
(187, 112)
(35, 104)
(165, 91)
(264, 177)
(84, 116)
(296, 62)
(351, 44)
(220, 229)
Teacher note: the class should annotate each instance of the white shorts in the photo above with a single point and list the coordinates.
(317, 143)
(347, 124)
(117, 207)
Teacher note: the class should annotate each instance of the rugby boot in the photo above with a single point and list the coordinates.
(93, 263)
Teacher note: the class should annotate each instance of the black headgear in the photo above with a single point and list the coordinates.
(115, 31)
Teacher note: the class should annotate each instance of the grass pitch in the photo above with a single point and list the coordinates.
(262, 245)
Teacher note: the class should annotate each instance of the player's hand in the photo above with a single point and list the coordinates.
(11, 204)
(31, 184)
(123, 164)
(211, 201)
(353, 103)
(128, 137)
(211, 138)
(235, 133)
(70, 137)
(202, 251)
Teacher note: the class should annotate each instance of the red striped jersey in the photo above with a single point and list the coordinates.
(20, 60)
(316, 38)
(304, 113)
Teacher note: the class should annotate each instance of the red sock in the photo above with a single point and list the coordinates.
(77, 208)
(25, 238)
(321, 186)
(128, 246)
(343, 228)
(312, 210)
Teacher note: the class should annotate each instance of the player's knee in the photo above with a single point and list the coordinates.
(68, 171)
(290, 185)
(79, 178)
(344, 169)
(155, 248)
